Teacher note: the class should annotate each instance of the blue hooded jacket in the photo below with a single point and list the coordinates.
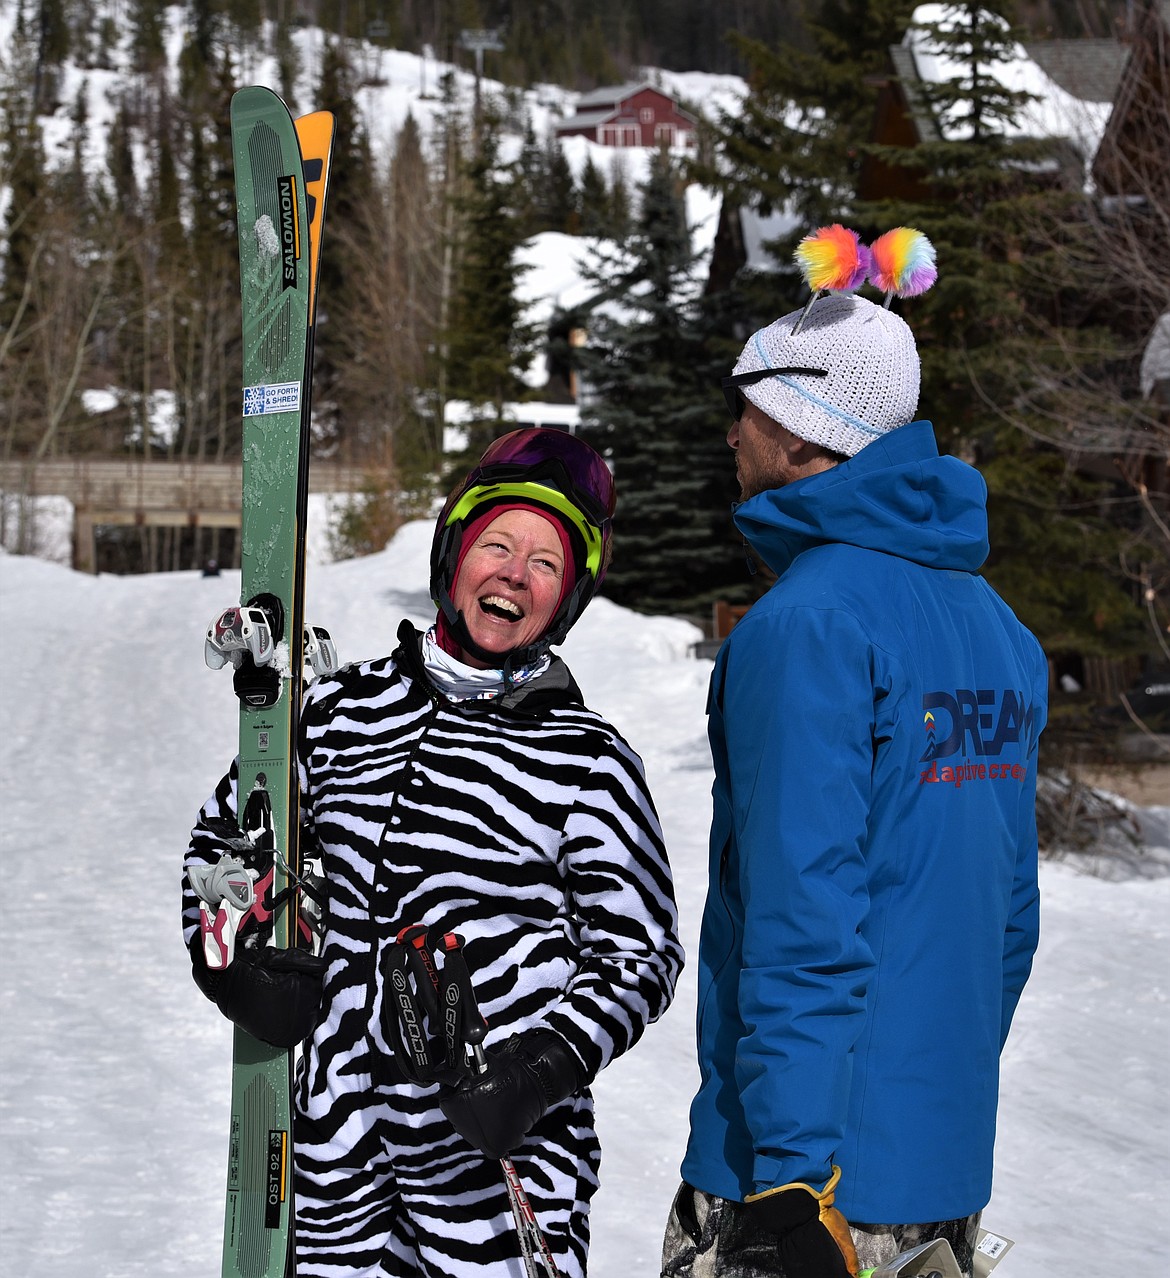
(873, 903)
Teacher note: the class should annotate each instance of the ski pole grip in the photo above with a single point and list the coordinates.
(455, 968)
(403, 1019)
(413, 943)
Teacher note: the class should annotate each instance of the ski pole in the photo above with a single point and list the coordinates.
(533, 1244)
(410, 1019)
(464, 1030)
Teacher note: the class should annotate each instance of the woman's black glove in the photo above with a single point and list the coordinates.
(812, 1237)
(495, 1110)
(273, 994)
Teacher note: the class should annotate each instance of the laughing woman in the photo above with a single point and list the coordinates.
(461, 783)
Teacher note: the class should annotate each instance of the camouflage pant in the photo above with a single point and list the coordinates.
(708, 1237)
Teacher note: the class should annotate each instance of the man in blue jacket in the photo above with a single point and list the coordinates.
(872, 909)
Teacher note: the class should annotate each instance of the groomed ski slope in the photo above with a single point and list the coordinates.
(114, 1071)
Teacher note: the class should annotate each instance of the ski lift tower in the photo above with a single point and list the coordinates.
(479, 41)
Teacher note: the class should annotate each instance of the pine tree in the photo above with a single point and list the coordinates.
(653, 408)
(449, 165)
(120, 163)
(148, 43)
(990, 330)
(198, 53)
(797, 139)
(176, 269)
(621, 203)
(288, 62)
(74, 181)
(391, 333)
(22, 152)
(800, 144)
(486, 343)
(23, 240)
(166, 215)
(529, 184)
(559, 203)
(208, 363)
(130, 351)
(54, 32)
(344, 419)
(417, 254)
(52, 49)
(595, 205)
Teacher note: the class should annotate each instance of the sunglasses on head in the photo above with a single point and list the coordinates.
(735, 401)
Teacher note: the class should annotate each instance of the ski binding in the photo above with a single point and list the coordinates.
(320, 652)
(227, 893)
(244, 632)
(933, 1259)
(238, 633)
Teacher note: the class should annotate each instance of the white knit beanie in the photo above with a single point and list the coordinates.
(871, 362)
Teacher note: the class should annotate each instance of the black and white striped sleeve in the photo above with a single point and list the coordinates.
(209, 842)
(620, 888)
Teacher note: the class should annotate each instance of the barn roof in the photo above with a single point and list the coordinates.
(1088, 69)
(614, 93)
(587, 119)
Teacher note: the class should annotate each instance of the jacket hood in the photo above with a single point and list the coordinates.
(897, 496)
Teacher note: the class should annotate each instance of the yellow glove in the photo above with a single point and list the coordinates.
(812, 1236)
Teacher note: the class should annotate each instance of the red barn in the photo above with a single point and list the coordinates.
(629, 115)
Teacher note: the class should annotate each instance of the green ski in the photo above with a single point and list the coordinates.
(279, 225)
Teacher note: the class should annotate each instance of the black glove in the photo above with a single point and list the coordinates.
(273, 994)
(495, 1110)
(812, 1237)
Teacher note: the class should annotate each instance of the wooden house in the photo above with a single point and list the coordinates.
(1132, 163)
(629, 115)
(1079, 80)
(1076, 81)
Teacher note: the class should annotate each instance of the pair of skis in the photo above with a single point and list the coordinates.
(434, 1022)
(281, 179)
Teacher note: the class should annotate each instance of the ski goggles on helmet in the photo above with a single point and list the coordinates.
(735, 401)
(552, 468)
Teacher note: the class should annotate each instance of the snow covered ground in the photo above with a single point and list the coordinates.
(114, 1070)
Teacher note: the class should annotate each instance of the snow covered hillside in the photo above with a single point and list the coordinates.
(394, 84)
(114, 1070)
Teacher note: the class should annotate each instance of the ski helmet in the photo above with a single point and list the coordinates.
(559, 475)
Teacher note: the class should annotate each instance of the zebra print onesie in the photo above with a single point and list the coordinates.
(525, 824)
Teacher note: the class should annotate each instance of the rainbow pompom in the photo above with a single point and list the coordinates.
(833, 257)
(903, 262)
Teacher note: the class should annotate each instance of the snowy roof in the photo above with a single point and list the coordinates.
(1088, 69)
(1155, 366)
(903, 58)
(587, 119)
(1055, 112)
(615, 93)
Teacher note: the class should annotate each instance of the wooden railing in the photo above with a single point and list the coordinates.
(142, 484)
(182, 493)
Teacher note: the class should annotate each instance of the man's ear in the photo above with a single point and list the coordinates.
(807, 456)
